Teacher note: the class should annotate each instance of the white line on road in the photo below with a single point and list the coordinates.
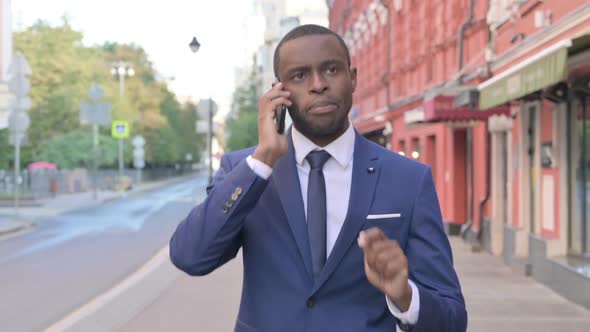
(100, 301)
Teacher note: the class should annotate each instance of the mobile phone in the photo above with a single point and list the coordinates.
(280, 114)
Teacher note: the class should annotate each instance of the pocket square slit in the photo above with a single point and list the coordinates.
(384, 216)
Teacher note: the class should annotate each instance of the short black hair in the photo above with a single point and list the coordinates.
(307, 30)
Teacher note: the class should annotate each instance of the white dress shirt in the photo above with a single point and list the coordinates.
(338, 178)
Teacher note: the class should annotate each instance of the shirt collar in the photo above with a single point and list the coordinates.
(341, 149)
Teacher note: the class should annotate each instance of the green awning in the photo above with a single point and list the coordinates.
(535, 76)
(579, 44)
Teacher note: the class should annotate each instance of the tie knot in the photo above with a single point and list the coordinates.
(317, 159)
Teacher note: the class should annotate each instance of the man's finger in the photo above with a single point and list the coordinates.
(366, 238)
(276, 91)
(372, 253)
(270, 109)
(395, 266)
(381, 253)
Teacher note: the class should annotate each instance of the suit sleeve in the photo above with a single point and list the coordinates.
(211, 234)
(442, 307)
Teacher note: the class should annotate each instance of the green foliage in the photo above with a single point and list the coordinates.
(74, 149)
(243, 131)
(6, 151)
(243, 128)
(63, 71)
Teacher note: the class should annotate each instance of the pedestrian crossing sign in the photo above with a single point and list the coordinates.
(120, 129)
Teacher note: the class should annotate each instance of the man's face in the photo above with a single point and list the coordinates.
(315, 70)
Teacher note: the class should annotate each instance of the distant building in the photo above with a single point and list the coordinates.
(5, 58)
(281, 16)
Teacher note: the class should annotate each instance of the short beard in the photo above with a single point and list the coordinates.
(313, 131)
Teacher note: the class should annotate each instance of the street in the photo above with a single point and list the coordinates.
(67, 260)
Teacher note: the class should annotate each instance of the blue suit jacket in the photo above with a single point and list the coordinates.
(266, 219)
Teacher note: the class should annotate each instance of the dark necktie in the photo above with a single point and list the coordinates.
(316, 209)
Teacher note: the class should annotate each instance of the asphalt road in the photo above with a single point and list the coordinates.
(68, 260)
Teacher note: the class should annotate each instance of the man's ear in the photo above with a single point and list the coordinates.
(353, 73)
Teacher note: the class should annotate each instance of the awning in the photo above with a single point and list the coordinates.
(535, 73)
(442, 109)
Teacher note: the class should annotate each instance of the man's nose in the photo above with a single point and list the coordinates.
(318, 83)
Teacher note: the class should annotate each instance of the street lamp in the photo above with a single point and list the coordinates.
(121, 69)
(195, 46)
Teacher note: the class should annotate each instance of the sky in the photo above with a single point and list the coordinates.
(164, 29)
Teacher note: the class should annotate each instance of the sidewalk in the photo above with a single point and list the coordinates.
(497, 300)
(11, 225)
(500, 300)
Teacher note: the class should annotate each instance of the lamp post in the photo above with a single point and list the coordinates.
(195, 46)
(122, 69)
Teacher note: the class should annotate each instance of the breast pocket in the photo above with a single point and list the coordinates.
(392, 224)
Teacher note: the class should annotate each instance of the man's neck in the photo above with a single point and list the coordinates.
(322, 141)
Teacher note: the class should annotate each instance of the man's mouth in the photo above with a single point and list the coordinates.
(322, 108)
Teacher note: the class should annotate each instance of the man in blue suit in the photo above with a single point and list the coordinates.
(337, 233)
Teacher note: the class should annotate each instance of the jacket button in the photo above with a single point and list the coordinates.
(310, 302)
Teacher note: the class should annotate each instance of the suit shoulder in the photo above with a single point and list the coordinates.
(235, 157)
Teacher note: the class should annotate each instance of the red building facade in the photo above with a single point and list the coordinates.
(493, 95)
(414, 59)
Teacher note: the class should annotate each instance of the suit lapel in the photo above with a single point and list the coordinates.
(361, 196)
(286, 181)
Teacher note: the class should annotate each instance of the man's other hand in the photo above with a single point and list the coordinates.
(386, 266)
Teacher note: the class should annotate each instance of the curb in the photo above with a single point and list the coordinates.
(9, 232)
(26, 226)
(149, 189)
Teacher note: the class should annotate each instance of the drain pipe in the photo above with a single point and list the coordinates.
(386, 82)
(461, 38)
(461, 42)
(488, 184)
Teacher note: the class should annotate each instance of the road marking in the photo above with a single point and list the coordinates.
(103, 299)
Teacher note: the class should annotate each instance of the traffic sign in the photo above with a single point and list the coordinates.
(95, 92)
(202, 126)
(21, 104)
(22, 85)
(139, 153)
(205, 106)
(120, 129)
(138, 163)
(138, 141)
(19, 122)
(95, 113)
(19, 83)
(22, 139)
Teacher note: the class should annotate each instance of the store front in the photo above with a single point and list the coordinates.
(451, 139)
(548, 165)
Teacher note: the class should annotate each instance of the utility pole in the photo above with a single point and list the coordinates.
(18, 119)
(95, 113)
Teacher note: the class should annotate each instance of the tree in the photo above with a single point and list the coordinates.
(243, 127)
(243, 131)
(74, 149)
(63, 71)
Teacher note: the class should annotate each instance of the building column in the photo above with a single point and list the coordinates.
(499, 126)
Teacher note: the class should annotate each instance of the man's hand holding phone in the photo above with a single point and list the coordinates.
(271, 144)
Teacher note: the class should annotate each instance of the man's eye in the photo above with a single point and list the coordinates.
(299, 76)
(331, 70)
